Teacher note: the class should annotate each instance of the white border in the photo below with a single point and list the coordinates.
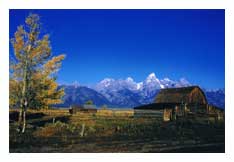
(5, 5)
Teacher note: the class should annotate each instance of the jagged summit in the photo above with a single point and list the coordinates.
(151, 82)
(129, 79)
(151, 75)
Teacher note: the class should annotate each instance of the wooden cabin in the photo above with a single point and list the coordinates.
(179, 102)
(85, 109)
(75, 108)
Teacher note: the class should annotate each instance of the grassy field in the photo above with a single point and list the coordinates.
(58, 131)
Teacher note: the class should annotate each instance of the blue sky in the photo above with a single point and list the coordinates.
(122, 43)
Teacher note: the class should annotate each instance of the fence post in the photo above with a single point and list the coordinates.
(82, 130)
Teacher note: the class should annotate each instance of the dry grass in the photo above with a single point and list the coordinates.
(45, 132)
(118, 131)
(105, 113)
(124, 113)
(115, 112)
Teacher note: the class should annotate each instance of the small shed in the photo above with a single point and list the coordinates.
(85, 109)
(75, 108)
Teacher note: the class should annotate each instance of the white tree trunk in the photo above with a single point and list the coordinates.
(24, 121)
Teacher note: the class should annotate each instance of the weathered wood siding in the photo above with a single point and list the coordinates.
(197, 96)
(148, 113)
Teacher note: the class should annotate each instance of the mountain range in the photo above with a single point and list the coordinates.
(125, 93)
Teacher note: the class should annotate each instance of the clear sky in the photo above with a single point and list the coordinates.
(122, 43)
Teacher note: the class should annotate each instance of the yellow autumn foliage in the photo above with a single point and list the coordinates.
(34, 67)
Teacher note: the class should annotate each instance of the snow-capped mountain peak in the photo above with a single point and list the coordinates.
(152, 75)
(166, 79)
(153, 82)
(139, 85)
(184, 81)
(148, 86)
(129, 79)
(106, 82)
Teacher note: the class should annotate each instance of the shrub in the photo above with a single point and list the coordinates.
(104, 107)
(56, 129)
(89, 102)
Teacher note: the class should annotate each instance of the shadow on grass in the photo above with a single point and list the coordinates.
(33, 118)
(42, 123)
(13, 116)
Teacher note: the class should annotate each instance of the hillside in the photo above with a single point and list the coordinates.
(79, 95)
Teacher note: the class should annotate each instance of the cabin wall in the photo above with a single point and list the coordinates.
(197, 108)
(212, 110)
